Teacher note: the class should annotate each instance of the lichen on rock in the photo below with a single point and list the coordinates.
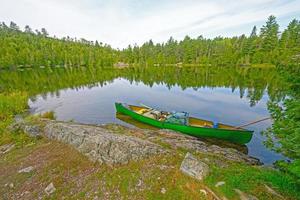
(100, 144)
(194, 167)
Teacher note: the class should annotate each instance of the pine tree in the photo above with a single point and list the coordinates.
(14, 26)
(44, 32)
(28, 29)
(253, 32)
(269, 34)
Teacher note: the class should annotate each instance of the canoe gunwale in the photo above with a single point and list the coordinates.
(231, 130)
(240, 136)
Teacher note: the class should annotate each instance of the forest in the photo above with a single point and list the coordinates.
(31, 49)
(267, 46)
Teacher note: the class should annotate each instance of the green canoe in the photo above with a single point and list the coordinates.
(196, 127)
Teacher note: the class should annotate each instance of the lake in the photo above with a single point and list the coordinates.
(229, 95)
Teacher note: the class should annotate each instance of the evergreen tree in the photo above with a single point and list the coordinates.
(269, 34)
(44, 32)
(14, 26)
(28, 29)
(253, 32)
(289, 44)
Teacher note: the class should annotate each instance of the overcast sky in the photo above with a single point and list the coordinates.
(123, 22)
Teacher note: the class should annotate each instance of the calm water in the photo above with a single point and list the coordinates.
(233, 96)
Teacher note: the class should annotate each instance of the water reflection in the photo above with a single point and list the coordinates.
(256, 81)
(229, 95)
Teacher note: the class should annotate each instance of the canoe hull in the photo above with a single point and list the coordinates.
(236, 136)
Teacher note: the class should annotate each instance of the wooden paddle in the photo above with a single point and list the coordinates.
(254, 122)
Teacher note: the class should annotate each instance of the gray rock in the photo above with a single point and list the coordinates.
(11, 185)
(18, 118)
(50, 189)
(220, 183)
(139, 183)
(100, 144)
(163, 167)
(194, 167)
(178, 140)
(6, 148)
(26, 170)
(32, 130)
(29, 128)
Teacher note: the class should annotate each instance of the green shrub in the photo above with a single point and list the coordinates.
(48, 115)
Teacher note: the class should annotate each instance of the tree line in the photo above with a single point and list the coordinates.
(36, 48)
(266, 46)
(30, 48)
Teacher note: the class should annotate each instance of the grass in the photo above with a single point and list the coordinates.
(11, 104)
(263, 65)
(252, 180)
(75, 176)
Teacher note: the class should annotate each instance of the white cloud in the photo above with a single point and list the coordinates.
(123, 22)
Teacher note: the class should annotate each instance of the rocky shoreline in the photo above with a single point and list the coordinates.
(111, 161)
(116, 144)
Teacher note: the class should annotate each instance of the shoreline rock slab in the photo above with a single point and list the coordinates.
(178, 140)
(100, 144)
(29, 128)
(194, 167)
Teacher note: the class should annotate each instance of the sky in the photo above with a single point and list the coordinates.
(123, 22)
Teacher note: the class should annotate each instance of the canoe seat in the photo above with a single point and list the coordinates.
(142, 111)
(200, 123)
(149, 114)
